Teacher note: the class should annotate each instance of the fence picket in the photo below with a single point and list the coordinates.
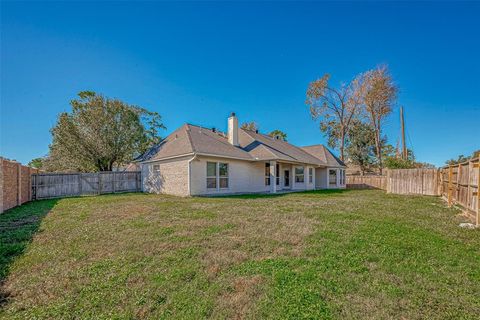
(55, 185)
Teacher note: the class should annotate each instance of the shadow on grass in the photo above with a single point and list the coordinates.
(282, 194)
(17, 228)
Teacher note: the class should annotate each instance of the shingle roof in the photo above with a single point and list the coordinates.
(189, 139)
(216, 143)
(259, 144)
(325, 155)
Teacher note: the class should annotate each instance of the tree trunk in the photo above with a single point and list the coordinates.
(379, 150)
(342, 145)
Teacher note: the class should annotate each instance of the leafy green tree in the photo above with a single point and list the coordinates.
(36, 163)
(279, 133)
(360, 147)
(461, 158)
(99, 133)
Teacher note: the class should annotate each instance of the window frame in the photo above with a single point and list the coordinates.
(329, 175)
(267, 174)
(277, 174)
(310, 175)
(215, 177)
(224, 177)
(299, 175)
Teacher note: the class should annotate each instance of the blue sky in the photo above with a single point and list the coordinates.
(197, 62)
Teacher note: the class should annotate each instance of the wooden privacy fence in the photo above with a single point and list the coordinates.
(399, 181)
(459, 184)
(367, 182)
(55, 185)
(413, 181)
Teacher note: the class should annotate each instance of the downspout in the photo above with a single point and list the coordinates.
(190, 174)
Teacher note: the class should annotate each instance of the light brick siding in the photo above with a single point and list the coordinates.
(244, 176)
(171, 178)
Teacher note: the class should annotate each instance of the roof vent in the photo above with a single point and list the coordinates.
(256, 130)
(214, 129)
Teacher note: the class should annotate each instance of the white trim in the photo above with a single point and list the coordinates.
(217, 188)
(168, 158)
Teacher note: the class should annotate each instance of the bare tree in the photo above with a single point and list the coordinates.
(335, 108)
(380, 94)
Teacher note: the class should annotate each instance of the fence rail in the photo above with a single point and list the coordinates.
(55, 185)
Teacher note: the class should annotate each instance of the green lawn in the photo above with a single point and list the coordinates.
(340, 254)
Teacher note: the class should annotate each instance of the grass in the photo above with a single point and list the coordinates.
(313, 255)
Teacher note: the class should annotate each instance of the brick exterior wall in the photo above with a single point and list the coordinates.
(170, 178)
(15, 184)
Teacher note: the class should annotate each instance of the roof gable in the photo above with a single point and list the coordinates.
(280, 149)
(325, 155)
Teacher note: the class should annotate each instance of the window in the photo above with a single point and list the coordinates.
(310, 175)
(267, 174)
(332, 177)
(156, 168)
(217, 175)
(277, 174)
(223, 173)
(299, 175)
(211, 175)
(342, 177)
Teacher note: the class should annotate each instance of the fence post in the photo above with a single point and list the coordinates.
(478, 193)
(100, 184)
(477, 218)
(33, 179)
(450, 186)
(19, 183)
(79, 178)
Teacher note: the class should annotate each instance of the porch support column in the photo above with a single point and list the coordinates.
(338, 178)
(273, 176)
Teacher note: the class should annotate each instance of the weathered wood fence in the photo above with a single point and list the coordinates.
(413, 181)
(459, 184)
(55, 185)
(400, 181)
(367, 182)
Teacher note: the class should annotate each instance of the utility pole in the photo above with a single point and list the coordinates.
(404, 146)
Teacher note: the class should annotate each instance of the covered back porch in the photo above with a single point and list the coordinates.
(283, 176)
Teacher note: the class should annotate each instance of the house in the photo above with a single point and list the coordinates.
(198, 161)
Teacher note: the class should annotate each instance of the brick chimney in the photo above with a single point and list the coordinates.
(233, 129)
